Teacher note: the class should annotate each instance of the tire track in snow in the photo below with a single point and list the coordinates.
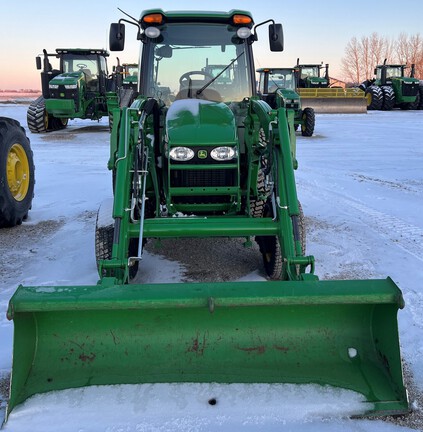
(406, 236)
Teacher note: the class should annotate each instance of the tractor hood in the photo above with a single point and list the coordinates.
(196, 121)
(70, 78)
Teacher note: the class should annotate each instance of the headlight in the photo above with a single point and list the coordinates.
(243, 32)
(71, 86)
(53, 86)
(181, 154)
(152, 32)
(223, 153)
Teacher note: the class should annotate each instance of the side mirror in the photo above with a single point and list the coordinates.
(164, 51)
(117, 37)
(276, 37)
(38, 62)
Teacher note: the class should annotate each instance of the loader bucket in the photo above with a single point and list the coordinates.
(338, 333)
(334, 100)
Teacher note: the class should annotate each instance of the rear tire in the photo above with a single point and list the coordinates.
(388, 98)
(374, 97)
(37, 117)
(58, 123)
(16, 173)
(416, 104)
(309, 119)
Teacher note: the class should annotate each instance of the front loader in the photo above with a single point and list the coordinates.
(207, 160)
(315, 90)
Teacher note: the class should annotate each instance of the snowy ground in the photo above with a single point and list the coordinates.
(360, 182)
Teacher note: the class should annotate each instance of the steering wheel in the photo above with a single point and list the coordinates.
(81, 66)
(184, 79)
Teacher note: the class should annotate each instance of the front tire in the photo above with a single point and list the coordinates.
(309, 120)
(388, 98)
(37, 117)
(16, 173)
(374, 96)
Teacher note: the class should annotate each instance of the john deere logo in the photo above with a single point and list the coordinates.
(202, 154)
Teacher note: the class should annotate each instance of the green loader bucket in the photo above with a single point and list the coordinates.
(338, 333)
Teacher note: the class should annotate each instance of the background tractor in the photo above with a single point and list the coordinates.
(16, 173)
(315, 91)
(392, 89)
(210, 159)
(77, 89)
(277, 87)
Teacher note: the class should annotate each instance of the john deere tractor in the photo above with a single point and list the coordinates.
(211, 159)
(313, 86)
(16, 173)
(77, 89)
(392, 89)
(277, 87)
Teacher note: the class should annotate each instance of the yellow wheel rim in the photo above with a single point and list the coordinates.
(369, 98)
(17, 169)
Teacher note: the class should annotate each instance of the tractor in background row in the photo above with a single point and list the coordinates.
(77, 89)
(391, 88)
(313, 86)
(277, 87)
(16, 173)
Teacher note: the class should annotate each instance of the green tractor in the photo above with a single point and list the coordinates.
(392, 89)
(210, 160)
(76, 90)
(277, 87)
(313, 86)
(16, 173)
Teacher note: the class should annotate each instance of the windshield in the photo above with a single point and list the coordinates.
(391, 71)
(310, 71)
(188, 57)
(281, 79)
(85, 63)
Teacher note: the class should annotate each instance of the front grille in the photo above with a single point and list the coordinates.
(203, 199)
(410, 89)
(203, 178)
(63, 93)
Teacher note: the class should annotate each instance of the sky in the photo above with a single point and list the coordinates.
(314, 31)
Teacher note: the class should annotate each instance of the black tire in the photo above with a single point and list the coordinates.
(16, 173)
(415, 105)
(388, 98)
(104, 230)
(37, 117)
(374, 97)
(309, 120)
(270, 248)
(58, 123)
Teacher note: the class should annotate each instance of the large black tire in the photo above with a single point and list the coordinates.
(416, 104)
(16, 173)
(37, 117)
(388, 98)
(374, 97)
(421, 95)
(309, 120)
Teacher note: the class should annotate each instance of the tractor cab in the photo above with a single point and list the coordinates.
(309, 75)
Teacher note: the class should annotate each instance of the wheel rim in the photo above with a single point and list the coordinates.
(64, 121)
(17, 168)
(369, 98)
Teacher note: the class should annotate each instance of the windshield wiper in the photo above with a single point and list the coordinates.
(199, 91)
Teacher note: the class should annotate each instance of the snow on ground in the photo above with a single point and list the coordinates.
(360, 182)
